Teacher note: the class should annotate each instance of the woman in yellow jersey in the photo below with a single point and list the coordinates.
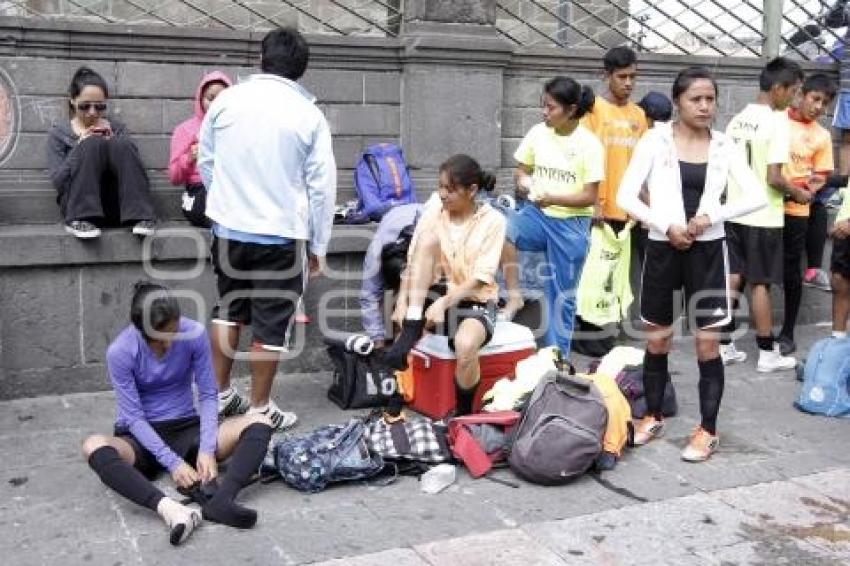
(686, 167)
(560, 165)
(460, 244)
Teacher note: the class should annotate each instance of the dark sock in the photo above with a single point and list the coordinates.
(655, 378)
(247, 457)
(123, 478)
(765, 342)
(396, 355)
(463, 399)
(711, 381)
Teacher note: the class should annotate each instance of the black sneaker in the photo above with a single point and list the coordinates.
(144, 228)
(786, 345)
(82, 229)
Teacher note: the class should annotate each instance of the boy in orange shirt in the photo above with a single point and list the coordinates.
(618, 123)
(808, 165)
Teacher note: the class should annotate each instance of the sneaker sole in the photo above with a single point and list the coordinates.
(143, 232)
(83, 235)
(761, 369)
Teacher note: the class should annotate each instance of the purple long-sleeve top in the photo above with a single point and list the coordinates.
(372, 288)
(149, 389)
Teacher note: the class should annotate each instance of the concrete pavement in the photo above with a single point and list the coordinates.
(777, 492)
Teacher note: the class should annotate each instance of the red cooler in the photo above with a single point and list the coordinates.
(433, 365)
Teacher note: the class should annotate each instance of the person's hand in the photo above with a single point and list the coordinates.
(207, 467)
(815, 182)
(698, 225)
(185, 475)
(315, 265)
(679, 237)
(436, 313)
(541, 200)
(801, 196)
(841, 230)
(193, 152)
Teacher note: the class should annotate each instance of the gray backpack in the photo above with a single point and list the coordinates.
(560, 434)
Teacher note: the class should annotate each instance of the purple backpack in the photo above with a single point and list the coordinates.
(382, 181)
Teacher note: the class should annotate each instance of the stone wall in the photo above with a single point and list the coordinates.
(440, 89)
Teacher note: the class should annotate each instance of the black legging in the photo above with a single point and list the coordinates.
(794, 235)
(129, 482)
(711, 383)
(108, 184)
(816, 235)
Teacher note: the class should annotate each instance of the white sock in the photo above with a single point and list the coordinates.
(259, 409)
(413, 313)
(839, 334)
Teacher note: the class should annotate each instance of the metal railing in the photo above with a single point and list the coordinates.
(694, 27)
(723, 28)
(338, 17)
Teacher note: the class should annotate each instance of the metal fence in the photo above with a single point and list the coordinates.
(338, 17)
(696, 27)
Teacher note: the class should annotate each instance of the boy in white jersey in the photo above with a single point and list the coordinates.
(762, 134)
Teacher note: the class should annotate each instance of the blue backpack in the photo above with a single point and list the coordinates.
(826, 378)
(332, 453)
(382, 181)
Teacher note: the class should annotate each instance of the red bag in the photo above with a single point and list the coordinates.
(466, 448)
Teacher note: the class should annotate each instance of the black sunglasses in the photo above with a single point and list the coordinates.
(86, 106)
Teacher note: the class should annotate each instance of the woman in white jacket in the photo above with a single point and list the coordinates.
(685, 166)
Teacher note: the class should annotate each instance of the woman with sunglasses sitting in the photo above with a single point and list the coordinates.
(95, 166)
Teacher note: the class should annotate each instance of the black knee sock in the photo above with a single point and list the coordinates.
(765, 342)
(464, 399)
(123, 478)
(655, 378)
(793, 297)
(396, 355)
(245, 461)
(711, 381)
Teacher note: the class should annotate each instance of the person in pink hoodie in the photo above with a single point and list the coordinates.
(182, 167)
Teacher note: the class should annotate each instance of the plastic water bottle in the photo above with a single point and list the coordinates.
(438, 478)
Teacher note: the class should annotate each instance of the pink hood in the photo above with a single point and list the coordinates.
(181, 168)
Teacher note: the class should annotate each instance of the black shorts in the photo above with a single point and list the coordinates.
(258, 285)
(485, 313)
(703, 272)
(755, 253)
(183, 436)
(840, 262)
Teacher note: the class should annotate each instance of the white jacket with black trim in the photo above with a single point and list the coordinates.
(656, 163)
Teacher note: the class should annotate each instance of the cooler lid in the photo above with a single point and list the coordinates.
(507, 337)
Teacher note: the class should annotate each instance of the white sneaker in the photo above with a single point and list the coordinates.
(773, 360)
(730, 354)
(281, 420)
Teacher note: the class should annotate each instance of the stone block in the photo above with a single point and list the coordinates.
(40, 323)
(452, 11)
(372, 120)
(174, 112)
(330, 86)
(382, 88)
(39, 113)
(51, 77)
(509, 146)
(466, 119)
(28, 152)
(397, 557)
(108, 289)
(154, 149)
(142, 116)
(522, 90)
(160, 80)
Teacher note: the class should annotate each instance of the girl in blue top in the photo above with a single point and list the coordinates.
(153, 364)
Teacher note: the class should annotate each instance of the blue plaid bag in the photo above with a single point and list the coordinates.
(329, 454)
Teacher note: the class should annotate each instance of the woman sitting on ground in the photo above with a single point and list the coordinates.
(95, 166)
(685, 166)
(152, 364)
(183, 164)
(462, 243)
